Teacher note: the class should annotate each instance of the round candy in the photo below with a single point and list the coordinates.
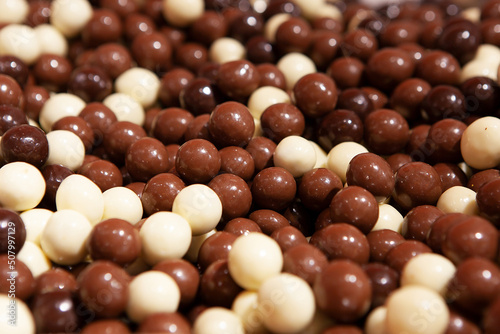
(200, 206)
(164, 235)
(152, 292)
(70, 17)
(78, 193)
(216, 320)
(66, 149)
(34, 258)
(415, 309)
(64, 237)
(125, 107)
(181, 13)
(22, 184)
(122, 203)
(296, 154)
(340, 156)
(21, 41)
(479, 143)
(141, 84)
(254, 258)
(17, 317)
(430, 270)
(295, 308)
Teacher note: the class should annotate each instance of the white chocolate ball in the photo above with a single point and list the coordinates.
(125, 108)
(182, 13)
(375, 322)
(13, 11)
(389, 218)
(246, 306)
(309, 8)
(480, 143)
(20, 40)
(458, 199)
(226, 49)
(295, 154)
(416, 309)
(141, 84)
(272, 25)
(200, 206)
(477, 67)
(16, 317)
(59, 106)
(122, 203)
(194, 247)
(218, 320)
(328, 10)
(34, 221)
(294, 66)
(77, 192)
(289, 301)
(254, 258)
(22, 186)
(430, 270)
(70, 16)
(66, 149)
(34, 258)
(164, 235)
(51, 40)
(64, 238)
(152, 292)
(265, 96)
(340, 156)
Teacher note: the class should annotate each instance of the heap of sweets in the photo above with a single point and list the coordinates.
(253, 166)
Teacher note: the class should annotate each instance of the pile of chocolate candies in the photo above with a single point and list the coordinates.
(265, 166)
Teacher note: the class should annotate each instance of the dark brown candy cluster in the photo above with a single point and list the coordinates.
(251, 166)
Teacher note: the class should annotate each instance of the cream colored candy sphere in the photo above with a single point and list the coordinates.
(288, 303)
(16, 317)
(296, 154)
(480, 143)
(200, 206)
(79, 193)
(152, 292)
(22, 186)
(430, 270)
(181, 13)
(64, 238)
(416, 309)
(254, 258)
(164, 235)
(218, 320)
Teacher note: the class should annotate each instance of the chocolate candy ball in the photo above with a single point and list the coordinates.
(273, 188)
(217, 287)
(386, 131)
(12, 232)
(25, 143)
(160, 191)
(315, 94)
(115, 240)
(166, 323)
(197, 161)
(231, 124)
(371, 172)
(356, 206)
(305, 261)
(342, 241)
(475, 284)
(104, 288)
(146, 158)
(56, 311)
(474, 236)
(343, 291)
(16, 277)
(417, 183)
(281, 120)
